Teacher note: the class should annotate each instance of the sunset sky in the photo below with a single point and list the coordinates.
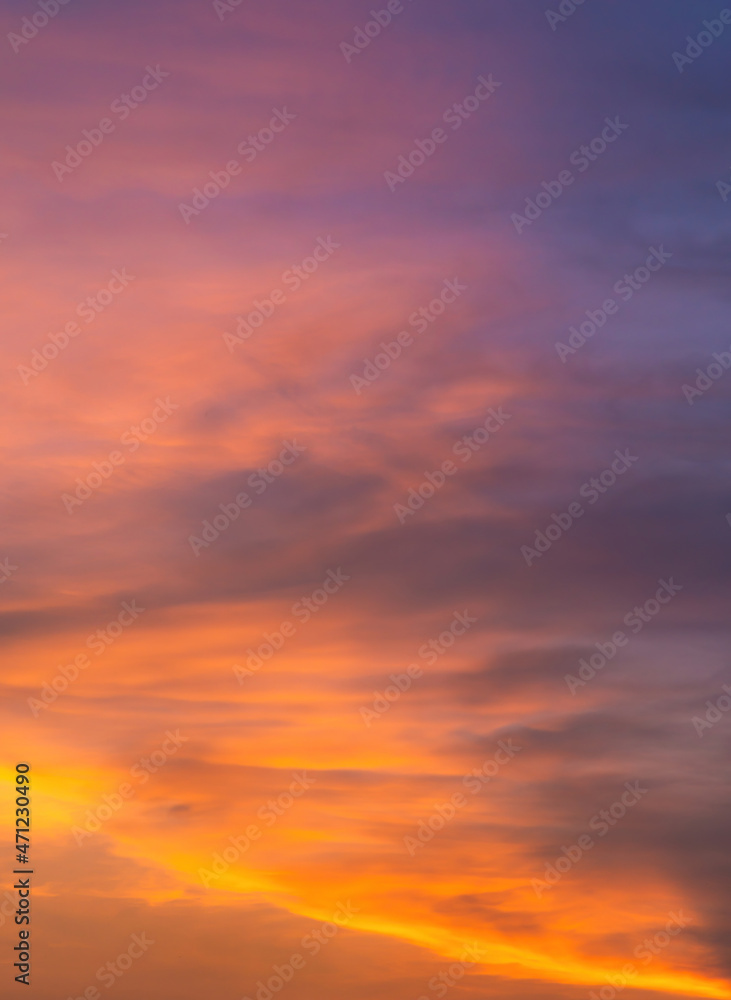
(314, 502)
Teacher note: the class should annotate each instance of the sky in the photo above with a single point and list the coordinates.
(365, 498)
